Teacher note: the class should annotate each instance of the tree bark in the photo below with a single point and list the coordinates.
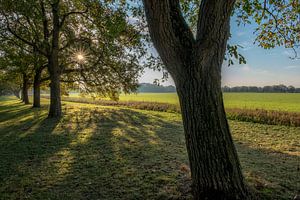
(55, 99)
(195, 65)
(36, 89)
(53, 66)
(214, 163)
(25, 98)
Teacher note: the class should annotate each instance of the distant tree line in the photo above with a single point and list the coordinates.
(271, 89)
(149, 88)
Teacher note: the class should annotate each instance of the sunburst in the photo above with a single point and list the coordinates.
(79, 55)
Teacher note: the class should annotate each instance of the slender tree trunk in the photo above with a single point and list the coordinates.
(36, 89)
(25, 98)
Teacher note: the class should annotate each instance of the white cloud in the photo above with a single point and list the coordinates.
(246, 68)
(291, 67)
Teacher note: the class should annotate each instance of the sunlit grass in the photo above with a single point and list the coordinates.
(268, 101)
(97, 152)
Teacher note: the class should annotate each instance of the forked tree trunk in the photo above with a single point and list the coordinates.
(36, 89)
(195, 65)
(25, 97)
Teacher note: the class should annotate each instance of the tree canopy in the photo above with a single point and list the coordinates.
(89, 45)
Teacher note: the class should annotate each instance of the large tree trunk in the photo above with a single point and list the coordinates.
(195, 65)
(53, 66)
(215, 167)
(25, 98)
(36, 89)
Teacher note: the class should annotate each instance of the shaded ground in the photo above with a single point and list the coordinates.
(96, 152)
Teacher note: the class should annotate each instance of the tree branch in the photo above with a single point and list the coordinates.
(170, 33)
(21, 38)
(213, 21)
(65, 16)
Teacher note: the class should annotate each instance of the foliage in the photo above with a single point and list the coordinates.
(110, 48)
(278, 22)
(99, 31)
(15, 65)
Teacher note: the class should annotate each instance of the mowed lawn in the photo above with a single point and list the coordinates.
(268, 101)
(97, 152)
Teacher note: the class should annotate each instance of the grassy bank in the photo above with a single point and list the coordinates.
(97, 152)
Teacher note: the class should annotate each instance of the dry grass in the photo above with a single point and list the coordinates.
(262, 116)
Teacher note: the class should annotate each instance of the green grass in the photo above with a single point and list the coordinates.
(97, 152)
(152, 97)
(267, 101)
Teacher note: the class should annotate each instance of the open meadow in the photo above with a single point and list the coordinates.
(265, 108)
(269, 101)
(105, 152)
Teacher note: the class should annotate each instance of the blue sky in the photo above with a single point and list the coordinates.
(264, 67)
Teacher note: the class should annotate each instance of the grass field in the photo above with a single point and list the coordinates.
(97, 152)
(268, 101)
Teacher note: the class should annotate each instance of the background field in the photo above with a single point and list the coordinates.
(103, 152)
(267, 101)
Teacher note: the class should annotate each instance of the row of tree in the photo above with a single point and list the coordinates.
(266, 89)
(148, 87)
(88, 45)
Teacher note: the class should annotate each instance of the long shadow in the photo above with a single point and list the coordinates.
(131, 155)
(25, 145)
(119, 154)
(273, 174)
(11, 111)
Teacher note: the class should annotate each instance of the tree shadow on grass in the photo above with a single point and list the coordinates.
(134, 155)
(26, 142)
(103, 153)
(273, 174)
(8, 112)
(108, 154)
